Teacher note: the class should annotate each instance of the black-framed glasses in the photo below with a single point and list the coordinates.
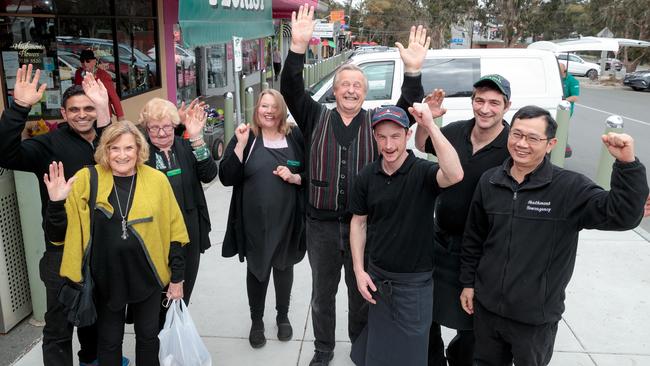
(156, 129)
(532, 139)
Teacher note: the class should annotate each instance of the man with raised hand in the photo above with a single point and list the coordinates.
(393, 202)
(339, 144)
(72, 143)
(521, 238)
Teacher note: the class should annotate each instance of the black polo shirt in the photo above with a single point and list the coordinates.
(400, 213)
(453, 203)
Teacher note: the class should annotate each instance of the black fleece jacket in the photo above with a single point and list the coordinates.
(520, 242)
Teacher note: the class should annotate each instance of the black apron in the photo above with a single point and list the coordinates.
(268, 209)
(447, 310)
(398, 325)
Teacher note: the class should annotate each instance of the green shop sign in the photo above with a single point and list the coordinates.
(206, 22)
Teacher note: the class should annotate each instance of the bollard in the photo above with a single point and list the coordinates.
(242, 98)
(263, 80)
(228, 117)
(248, 109)
(562, 118)
(613, 123)
(305, 73)
(310, 75)
(438, 122)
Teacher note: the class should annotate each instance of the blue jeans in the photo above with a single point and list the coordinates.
(328, 248)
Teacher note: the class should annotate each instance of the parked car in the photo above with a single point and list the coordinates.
(183, 57)
(578, 66)
(618, 65)
(638, 80)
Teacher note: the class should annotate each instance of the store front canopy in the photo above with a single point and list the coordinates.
(205, 24)
(282, 8)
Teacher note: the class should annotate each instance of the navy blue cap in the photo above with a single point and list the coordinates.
(502, 84)
(393, 114)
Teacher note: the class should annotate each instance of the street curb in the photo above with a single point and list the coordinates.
(644, 234)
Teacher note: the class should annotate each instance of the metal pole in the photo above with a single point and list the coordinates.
(562, 118)
(241, 101)
(239, 81)
(228, 122)
(613, 123)
(263, 79)
(248, 110)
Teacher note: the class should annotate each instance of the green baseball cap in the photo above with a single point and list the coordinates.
(501, 83)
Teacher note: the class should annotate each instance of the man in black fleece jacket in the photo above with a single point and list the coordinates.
(72, 143)
(521, 238)
(338, 145)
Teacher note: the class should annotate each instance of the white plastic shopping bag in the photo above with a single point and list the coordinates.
(180, 343)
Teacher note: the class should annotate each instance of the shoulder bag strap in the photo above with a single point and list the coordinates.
(92, 200)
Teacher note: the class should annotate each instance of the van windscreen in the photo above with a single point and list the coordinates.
(455, 76)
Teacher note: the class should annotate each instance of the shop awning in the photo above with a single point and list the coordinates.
(282, 8)
(204, 24)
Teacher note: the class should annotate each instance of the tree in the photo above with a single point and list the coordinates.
(514, 17)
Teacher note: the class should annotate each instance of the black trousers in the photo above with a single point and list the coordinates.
(460, 350)
(282, 281)
(57, 333)
(500, 341)
(328, 249)
(110, 326)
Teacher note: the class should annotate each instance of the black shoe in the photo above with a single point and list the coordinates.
(285, 331)
(321, 358)
(256, 336)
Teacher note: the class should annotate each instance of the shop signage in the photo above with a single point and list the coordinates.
(242, 4)
(236, 45)
(29, 53)
(323, 30)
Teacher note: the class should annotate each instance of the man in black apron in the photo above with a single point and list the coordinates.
(393, 202)
(481, 144)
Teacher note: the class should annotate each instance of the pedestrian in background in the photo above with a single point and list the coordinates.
(89, 66)
(277, 62)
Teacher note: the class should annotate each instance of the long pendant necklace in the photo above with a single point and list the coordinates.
(124, 235)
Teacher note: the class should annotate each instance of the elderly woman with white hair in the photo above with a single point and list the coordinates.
(187, 164)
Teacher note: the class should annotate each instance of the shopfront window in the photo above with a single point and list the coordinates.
(26, 40)
(53, 38)
(217, 61)
(185, 72)
(250, 56)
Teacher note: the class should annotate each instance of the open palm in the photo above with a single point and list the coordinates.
(413, 56)
(302, 28)
(57, 187)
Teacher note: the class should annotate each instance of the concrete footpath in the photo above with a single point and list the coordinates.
(607, 321)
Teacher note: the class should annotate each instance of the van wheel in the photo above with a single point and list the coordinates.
(217, 150)
(592, 74)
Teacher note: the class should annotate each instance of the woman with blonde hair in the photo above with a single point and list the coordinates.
(134, 237)
(187, 164)
(266, 220)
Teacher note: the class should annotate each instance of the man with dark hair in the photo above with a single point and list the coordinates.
(393, 202)
(481, 145)
(338, 145)
(521, 238)
(72, 143)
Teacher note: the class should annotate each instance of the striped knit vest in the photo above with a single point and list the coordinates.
(333, 168)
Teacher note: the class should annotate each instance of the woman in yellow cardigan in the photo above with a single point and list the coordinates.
(137, 237)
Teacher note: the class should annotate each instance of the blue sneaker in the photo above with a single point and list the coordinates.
(125, 362)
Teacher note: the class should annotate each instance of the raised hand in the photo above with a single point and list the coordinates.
(302, 28)
(26, 90)
(422, 115)
(57, 187)
(184, 109)
(620, 146)
(286, 175)
(434, 101)
(195, 121)
(241, 132)
(414, 55)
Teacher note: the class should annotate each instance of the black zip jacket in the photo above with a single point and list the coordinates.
(35, 154)
(520, 241)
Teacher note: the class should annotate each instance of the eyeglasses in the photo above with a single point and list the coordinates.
(156, 129)
(532, 139)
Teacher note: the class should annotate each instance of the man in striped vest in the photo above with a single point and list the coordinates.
(338, 144)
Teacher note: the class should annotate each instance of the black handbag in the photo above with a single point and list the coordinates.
(78, 298)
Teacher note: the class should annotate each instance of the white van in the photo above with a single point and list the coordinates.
(533, 74)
